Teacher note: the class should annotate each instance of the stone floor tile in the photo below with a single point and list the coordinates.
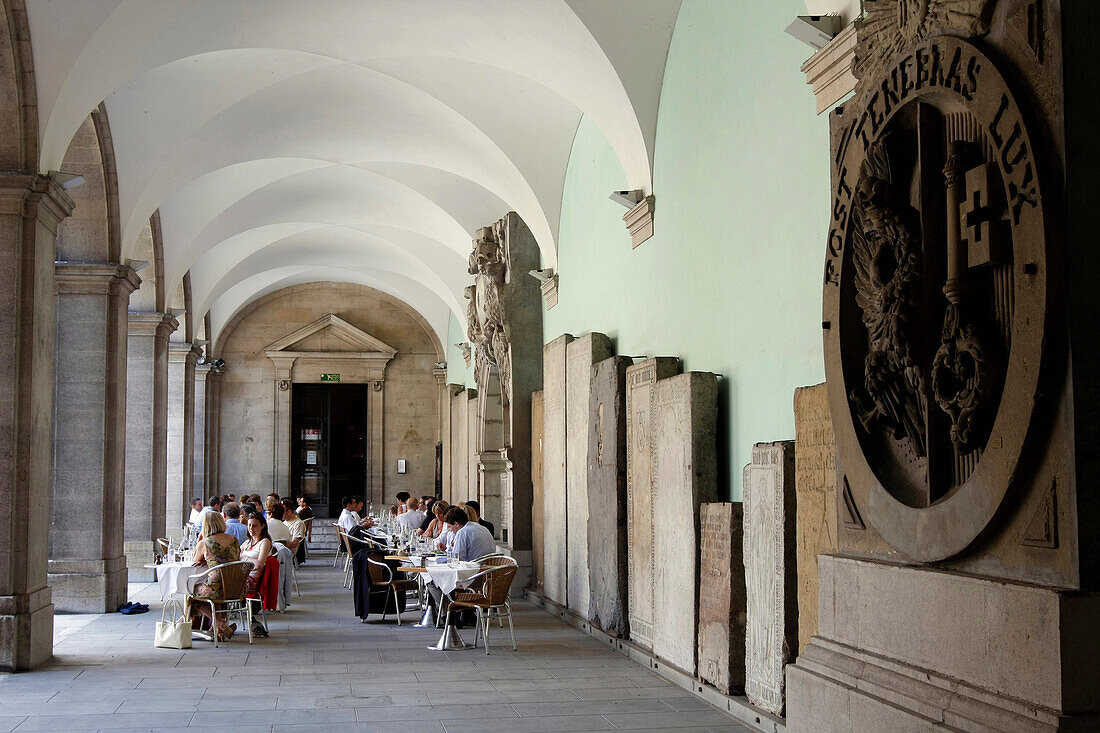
(596, 707)
(658, 721)
(631, 693)
(529, 725)
(117, 721)
(10, 722)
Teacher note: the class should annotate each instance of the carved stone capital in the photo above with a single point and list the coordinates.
(639, 221)
(144, 323)
(95, 278)
(26, 193)
(829, 70)
(181, 352)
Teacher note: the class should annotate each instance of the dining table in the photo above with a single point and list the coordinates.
(172, 577)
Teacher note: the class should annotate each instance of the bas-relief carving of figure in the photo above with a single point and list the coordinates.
(886, 255)
(484, 312)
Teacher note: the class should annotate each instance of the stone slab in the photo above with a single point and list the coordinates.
(536, 490)
(581, 354)
(554, 518)
(686, 474)
(607, 496)
(916, 641)
(641, 380)
(722, 597)
(815, 498)
(459, 448)
(770, 579)
(472, 457)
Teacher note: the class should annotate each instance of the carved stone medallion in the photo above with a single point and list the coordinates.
(935, 291)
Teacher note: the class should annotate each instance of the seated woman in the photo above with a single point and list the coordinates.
(434, 523)
(216, 547)
(256, 549)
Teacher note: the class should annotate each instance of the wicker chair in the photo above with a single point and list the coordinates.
(234, 576)
(353, 545)
(492, 598)
(339, 545)
(381, 575)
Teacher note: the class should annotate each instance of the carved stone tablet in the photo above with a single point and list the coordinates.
(770, 582)
(460, 451)
(581, 354)
(721, 597)
(607, 496)
(553, 473)
(815, 482)
(640, 381)
(536, 490)
(685, 474)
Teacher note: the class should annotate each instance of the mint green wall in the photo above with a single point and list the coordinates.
(457, 371)
(731, 279)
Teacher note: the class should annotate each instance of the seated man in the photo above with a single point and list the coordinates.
(471, 540)
(279, 532)
(214, 505)
(480, 519)
(349, 518)
(233, 525)
(413, 517)
(196, 512)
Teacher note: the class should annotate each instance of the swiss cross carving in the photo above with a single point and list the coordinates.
(986, 232)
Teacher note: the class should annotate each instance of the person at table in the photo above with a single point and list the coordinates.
(278, 532)
(349, 518)
(214, 505)
(256, 549)
(476, 517)
(402, 497)
(233, 524)
(471, 540)
(216, 547)
(433, 524)
(196, 512)
(412, 517)
(297, 529)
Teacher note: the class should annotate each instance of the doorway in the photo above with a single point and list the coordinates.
(328, 449)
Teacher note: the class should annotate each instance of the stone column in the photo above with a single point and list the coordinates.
(375, 466)
(146, 425)
(212, 432)
(284, 368)
(87, 568)
(181, 435)
(31, 206)
(198, 471)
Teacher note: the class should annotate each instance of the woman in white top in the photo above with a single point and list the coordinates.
(439, 508)
(256, 549)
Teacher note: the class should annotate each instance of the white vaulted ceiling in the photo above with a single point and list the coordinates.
(350, 140)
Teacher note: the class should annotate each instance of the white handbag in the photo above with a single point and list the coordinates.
(172, 634)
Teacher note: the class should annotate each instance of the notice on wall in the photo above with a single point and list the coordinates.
(311, 458)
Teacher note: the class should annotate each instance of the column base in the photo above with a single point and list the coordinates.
(26, 631)
(138, 555)
(918, 649)
(88, 586)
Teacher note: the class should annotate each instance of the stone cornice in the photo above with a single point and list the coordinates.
(639, 222)
(20, 190)
(181, 351)
(95, 278)
(146, 323)
(829, 70)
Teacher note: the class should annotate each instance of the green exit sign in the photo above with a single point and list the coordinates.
(330, 377)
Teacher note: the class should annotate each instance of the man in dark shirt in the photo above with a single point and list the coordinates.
(480, 519)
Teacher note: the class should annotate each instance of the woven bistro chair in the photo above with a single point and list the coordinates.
(353, 545)
(339, 545)
(381, 575)
(233, 576)
(492, 598)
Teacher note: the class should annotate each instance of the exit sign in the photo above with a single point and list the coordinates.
(330, 377)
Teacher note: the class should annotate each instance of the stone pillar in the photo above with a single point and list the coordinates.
(198, 472)
(181, 435)
(281, 388)
(146, 423)
(87, 568)
(31, 207)
(459, 448)
(554, 517)
(375, 467)
(212, 432)
(722, 597)
(537, 527)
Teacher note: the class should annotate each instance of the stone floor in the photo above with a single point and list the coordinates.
(322, 670)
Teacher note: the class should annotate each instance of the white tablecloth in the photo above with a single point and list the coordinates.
(172, 577)
(447, 578)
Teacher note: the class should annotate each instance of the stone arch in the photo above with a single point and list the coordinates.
(18, 92)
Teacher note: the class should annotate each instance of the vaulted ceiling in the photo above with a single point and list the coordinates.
(352, 140)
